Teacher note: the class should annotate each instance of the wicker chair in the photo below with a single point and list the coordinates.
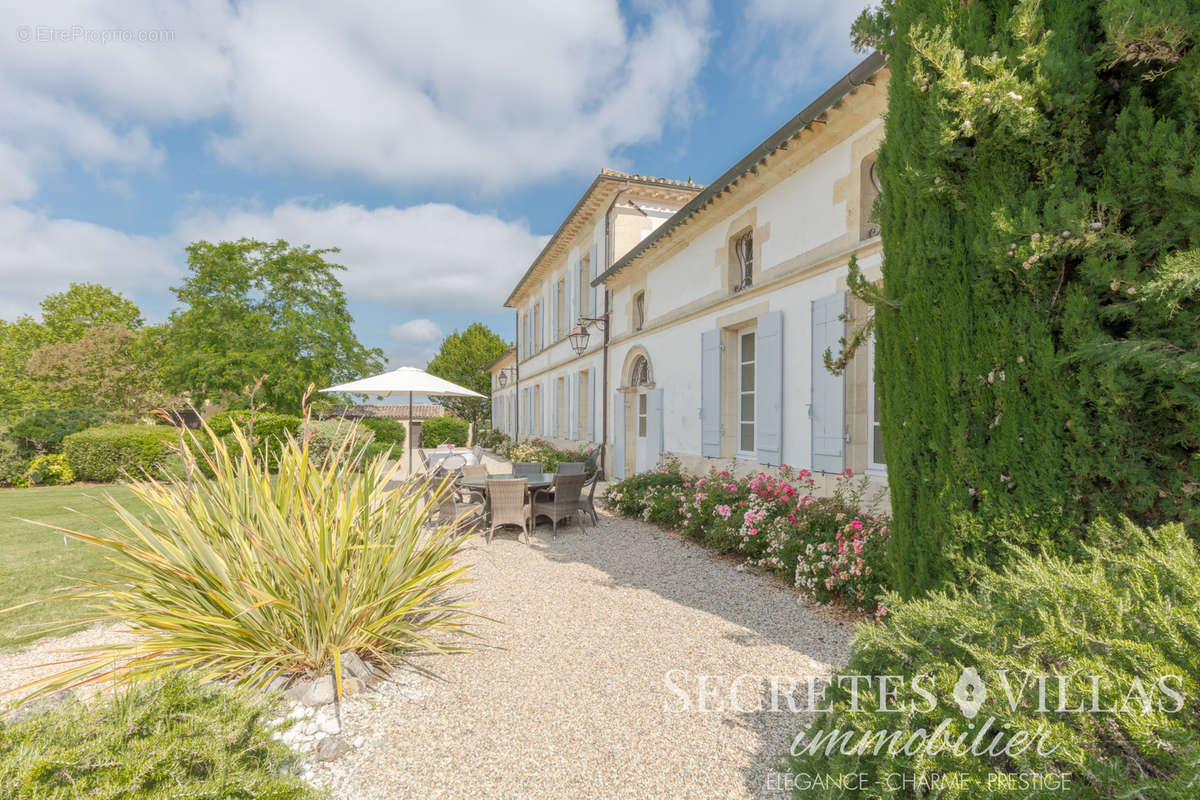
(475, 471)
(565, 502)
(571, 468)
(506, 498)
(459, 511)
(527, 468)
(587, 502)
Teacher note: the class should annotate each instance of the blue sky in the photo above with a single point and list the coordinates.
(437, 144)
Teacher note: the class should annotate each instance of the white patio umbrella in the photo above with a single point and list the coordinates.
(406, 380)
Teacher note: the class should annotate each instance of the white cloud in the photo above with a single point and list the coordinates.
(524, 92)
(791, 42)
(485, 95)
(43, 255)
(416, 331)
(432, 256)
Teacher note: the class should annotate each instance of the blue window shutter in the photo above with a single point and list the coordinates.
(768, 389)
(654, 425)
(591, 417)
(828, 410)
(573, 406)
(710, 393)
(594, 267)
(553, 311)
(572, 293)
(618, 469)
(554, 420)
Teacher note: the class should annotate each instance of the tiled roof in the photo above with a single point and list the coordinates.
(419, 411)
(603, 188)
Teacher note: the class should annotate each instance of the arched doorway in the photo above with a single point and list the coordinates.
(639, 431)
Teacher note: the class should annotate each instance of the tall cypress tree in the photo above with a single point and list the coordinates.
(1039, 351)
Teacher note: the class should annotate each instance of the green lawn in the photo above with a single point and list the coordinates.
(34, 561)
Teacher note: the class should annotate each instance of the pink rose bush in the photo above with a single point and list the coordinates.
(832, 548)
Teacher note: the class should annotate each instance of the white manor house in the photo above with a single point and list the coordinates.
(667, 317)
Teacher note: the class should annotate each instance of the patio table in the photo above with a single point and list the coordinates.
(437, 456)
(536, 481)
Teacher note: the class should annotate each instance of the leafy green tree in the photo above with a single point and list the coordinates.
(67, 315)
(464, 359)
(109, 367)
(1038, 339)
(254, 308)
(18, 340)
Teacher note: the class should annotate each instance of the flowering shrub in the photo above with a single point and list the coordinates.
(544, 453)
(831, 547)
(47, 470)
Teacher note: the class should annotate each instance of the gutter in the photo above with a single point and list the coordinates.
(861, 74)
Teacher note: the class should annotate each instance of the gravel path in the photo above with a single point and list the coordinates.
(567, 696)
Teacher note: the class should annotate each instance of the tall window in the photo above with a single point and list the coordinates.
(639, 310)
(743, 257)
(537, 326)
(875, 459)
(746, 394)
(585, 290)
(539, 411)
(585, 402)
(560, 408)
(641, 422)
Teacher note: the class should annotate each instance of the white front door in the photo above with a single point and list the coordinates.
(641, 447)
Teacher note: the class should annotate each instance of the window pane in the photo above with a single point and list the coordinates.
(877, 446)
(746, 444)
(642, 404)
(747, 407)
(876, 410)
(748, 347)
(747, 377)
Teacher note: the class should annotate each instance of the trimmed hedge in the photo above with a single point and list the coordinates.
(329, 435)
(266, 423)
(108, 453)
(439, 430)
(1126, 614)
(386, 431)
(43, 429)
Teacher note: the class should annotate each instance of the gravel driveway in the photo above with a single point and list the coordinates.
(567, 694)
(567, 697)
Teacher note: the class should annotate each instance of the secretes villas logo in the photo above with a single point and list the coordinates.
(964, 730)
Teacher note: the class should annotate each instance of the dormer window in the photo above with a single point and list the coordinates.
(742, 263)
(639, 310)
(869, 224)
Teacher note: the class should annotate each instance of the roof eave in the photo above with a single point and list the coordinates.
(856, 77)
(619, 179)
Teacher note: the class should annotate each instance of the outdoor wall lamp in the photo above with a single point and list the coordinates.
(579, 335)
(502, 375)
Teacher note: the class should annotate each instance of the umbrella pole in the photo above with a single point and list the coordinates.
(410, 434)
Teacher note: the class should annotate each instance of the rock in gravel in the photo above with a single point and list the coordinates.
(322, 692)
(297, 691)
(330, 726)
(352, 686)
(355, 667)
(330, 748)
